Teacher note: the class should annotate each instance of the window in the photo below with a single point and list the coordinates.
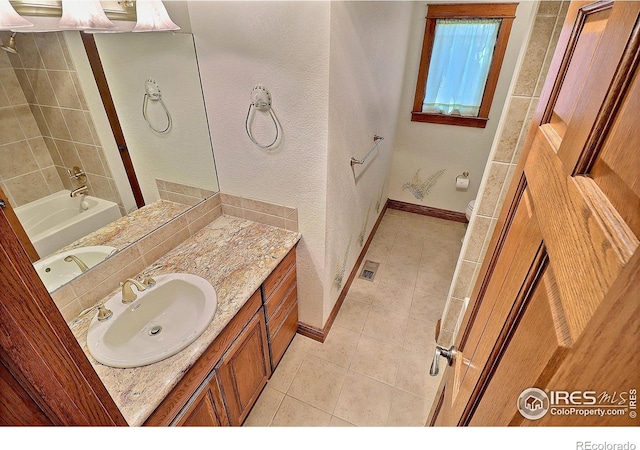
(462, 53)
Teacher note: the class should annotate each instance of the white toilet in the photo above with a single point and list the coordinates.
(469, 209)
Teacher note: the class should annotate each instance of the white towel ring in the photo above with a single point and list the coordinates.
(152, 91)
(261, 100)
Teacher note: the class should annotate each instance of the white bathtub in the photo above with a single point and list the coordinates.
(58, 219)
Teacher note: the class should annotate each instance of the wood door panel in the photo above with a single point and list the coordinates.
(616, 171)
(202, 414)
(573, 235)
(539, 343)
(245, 369)
(575, 76)
(556, 304)
(599, 100)
(606, 355)
(520, 260)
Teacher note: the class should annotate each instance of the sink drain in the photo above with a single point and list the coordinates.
(155, 330)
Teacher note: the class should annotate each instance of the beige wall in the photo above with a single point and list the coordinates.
(46, 125)
(521, 105)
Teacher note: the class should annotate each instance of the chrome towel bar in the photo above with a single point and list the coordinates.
(376, 141)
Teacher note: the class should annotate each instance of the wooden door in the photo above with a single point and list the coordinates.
(551, 335)
(44, 367)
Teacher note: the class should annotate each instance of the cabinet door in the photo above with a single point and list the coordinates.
(245, 369)
(205, 409)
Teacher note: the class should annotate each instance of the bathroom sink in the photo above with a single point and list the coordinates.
(55, 271)
(162, 321)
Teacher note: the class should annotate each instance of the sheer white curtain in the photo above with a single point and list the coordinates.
(460, 61)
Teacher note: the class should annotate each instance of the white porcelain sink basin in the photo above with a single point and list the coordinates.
(55, 271)
(162, 321)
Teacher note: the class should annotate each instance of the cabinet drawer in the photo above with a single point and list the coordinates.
(281, 314)
(273, 303)
(278, 274)
(283, 336)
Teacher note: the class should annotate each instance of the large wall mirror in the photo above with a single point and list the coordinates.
(61, 160)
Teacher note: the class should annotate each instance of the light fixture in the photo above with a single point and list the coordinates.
(84, 15)
(10, 19)
(152, 16)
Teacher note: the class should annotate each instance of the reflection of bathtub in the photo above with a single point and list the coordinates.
(58, 219)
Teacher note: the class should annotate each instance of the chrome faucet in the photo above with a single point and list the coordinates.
(71, 258)
(128, 295)
(84, 190)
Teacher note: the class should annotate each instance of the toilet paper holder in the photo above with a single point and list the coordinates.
(462, 181)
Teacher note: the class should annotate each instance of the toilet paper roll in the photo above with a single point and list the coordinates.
(462, 184)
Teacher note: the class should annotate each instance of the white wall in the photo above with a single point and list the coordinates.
(366, 71)
(285, 47)
(335, 75)
(183, 154)
(434, 147)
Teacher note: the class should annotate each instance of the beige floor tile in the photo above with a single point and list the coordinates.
(397, 273)
(362, 291)
(352, 315)
(408, 240)
(338, 348)
(373, 369)
(442, 257)
(294, 413)
(408, 410)
(377, 360)
(265, 408)
(318, 383)
(363, 401)
(290, 363)
(386, 326)
(338, 422)
(420, 335)
(434, 283)
(426, 307)
(413, 373)
(393, 297)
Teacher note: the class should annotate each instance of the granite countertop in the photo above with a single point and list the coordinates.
(235, 256)
(128, 229)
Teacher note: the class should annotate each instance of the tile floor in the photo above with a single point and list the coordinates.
(373, 368)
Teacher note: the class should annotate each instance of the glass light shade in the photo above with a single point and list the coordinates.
(10, 19)
(84, 15)
(152, 16)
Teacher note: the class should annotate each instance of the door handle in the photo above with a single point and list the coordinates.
(449, 354)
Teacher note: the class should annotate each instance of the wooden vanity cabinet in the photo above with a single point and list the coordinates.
(226, 381)
(198, 398)
(280, 296)
(244, 370)
(206, 407)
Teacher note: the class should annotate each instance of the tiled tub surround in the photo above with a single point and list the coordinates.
(45, 123)
(503, 160)
(235, 256)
